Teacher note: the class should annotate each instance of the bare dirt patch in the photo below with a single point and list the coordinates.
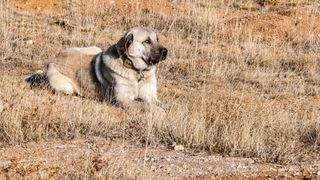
(54, 6)
(284, 25)
(95, 156)
(35, 6)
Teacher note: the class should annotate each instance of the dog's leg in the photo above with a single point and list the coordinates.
(148, 91)
(59, 82)
(148, 94)
(125, 96)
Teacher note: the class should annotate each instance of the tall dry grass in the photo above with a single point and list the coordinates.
(242, 83)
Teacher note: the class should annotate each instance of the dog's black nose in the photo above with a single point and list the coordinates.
(163, 52)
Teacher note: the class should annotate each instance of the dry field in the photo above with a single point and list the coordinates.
(242, 80)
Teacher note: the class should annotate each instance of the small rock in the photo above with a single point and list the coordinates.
(273, 169)
(178, 148)
(297, 174)
(29, 42)
(184, 166)
(318, 173)
(147, 159)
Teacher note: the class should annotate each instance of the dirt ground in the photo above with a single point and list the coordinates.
(92, 156)
(57, 7)
(88, 156)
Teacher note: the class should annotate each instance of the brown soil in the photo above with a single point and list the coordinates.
(56, 6)
(89, 156)
(285, 25)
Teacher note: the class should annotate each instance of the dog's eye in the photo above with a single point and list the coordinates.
(147, 41)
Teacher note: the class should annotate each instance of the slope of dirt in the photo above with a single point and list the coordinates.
(57, 6)
(95, 156)
(281, 26)
(53, 6)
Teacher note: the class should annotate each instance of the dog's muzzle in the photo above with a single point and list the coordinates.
(163, 53)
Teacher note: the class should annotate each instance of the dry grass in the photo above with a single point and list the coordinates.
(243, 83)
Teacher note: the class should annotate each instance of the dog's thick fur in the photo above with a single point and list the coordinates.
(123, 73)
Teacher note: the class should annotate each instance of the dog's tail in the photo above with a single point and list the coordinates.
(37, 79)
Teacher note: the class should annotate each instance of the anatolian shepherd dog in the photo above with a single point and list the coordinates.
(123, 73)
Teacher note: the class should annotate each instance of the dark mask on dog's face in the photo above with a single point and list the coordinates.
(156, 52)
(142, 47)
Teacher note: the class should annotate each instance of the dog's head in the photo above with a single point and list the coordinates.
(141, 45)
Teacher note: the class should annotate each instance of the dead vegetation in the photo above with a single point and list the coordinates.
(239, 81)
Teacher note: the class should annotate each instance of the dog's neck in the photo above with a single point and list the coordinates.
(117, 63)
(127, 63)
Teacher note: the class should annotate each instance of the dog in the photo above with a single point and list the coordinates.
(123, 73)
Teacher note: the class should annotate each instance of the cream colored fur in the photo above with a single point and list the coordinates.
(91, 72)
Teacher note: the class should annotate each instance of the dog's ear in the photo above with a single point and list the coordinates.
(124, 43)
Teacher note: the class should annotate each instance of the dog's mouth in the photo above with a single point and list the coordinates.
(151, 60)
